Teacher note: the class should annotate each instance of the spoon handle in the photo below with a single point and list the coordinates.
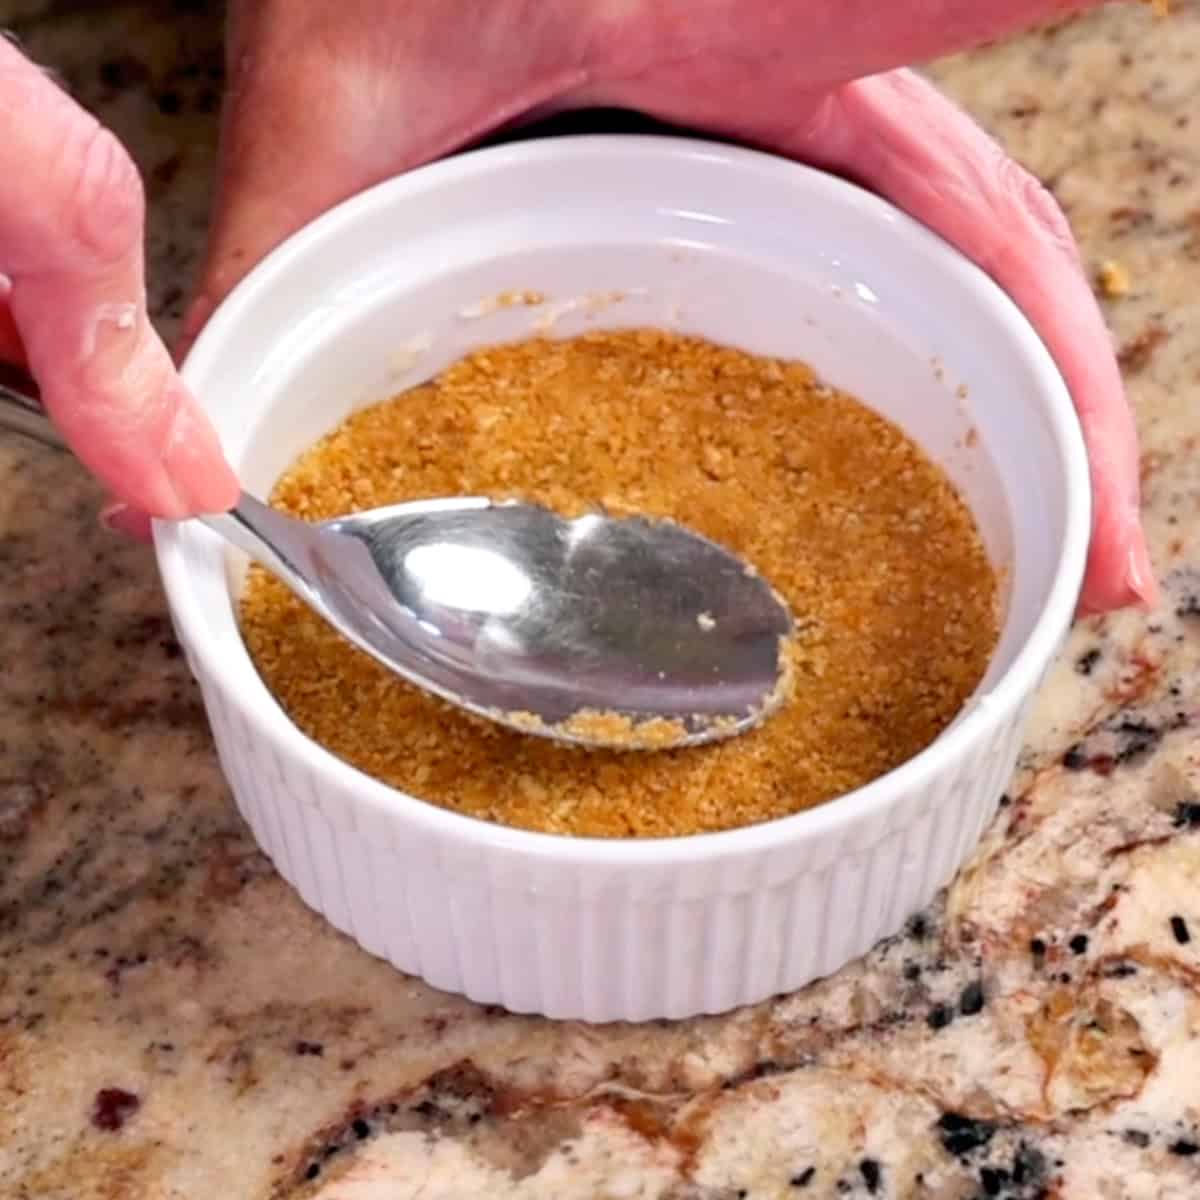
(280, 543)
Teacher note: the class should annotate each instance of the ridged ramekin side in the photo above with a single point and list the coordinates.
(598, 941)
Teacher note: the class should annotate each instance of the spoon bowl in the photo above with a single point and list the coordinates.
(617, 632)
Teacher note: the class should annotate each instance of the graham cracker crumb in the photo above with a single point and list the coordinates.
(619, 730)
(836, 507)
(1113, 279)
(502, 300)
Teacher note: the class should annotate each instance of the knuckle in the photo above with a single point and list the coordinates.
(1034, 201)
(103, 198)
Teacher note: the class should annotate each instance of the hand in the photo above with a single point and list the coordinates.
(330, 96)
(73, 310)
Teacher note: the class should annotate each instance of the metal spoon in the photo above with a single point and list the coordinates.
(602, 631)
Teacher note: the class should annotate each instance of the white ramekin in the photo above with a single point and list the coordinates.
(735, 245)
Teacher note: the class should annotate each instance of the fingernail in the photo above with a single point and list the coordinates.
(111, 513)
(126, 522)
(1139, 574)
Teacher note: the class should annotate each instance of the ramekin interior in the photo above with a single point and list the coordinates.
(617, 231)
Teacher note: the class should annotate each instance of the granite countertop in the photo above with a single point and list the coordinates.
(175, 1024)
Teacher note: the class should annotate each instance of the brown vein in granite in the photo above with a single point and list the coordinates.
(1138, 352)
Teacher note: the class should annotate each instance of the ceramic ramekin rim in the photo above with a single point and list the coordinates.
(840, 814)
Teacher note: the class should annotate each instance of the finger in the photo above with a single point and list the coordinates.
(71, 228)
(857, 38)
(709, 64)
(900, 137)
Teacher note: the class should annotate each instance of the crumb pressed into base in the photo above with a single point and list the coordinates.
(848, 519)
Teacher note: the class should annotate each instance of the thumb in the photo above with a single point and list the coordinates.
(71, 227)
(283, 160)
(323, 104)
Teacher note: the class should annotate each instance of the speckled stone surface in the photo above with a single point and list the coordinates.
(175, 1024)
